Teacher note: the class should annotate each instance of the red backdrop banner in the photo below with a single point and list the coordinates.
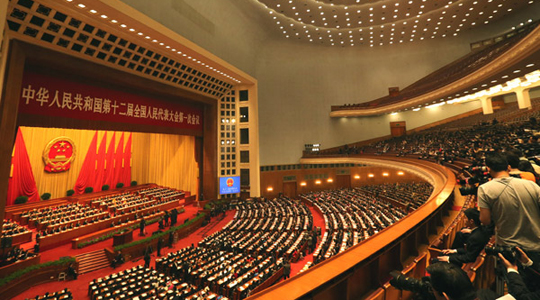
(52, 96)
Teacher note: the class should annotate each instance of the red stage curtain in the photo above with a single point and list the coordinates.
(88, 169)
(118, 157)
(109, 163)
(22, 182)
(100, 164)
(126, 178)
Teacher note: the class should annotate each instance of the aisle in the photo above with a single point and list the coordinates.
(318, 220)
(79, 287)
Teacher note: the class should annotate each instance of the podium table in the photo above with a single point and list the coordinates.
(123, 237)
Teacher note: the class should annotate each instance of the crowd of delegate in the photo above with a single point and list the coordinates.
(353, 215)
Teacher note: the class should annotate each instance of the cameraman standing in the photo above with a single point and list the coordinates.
(513, 206)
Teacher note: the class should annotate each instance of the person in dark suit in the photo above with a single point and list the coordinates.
(174, 216)
(516, 286)
(72, 272)
(166, 217)
(147, 260)
(171, 239)
(159, 246)
(286, 270)
(142, 225)
(477, 240)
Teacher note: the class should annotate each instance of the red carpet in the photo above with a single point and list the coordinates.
(79, 287)
(318, 221)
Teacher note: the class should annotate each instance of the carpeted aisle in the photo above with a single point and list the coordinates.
(79, 287)
(318, 221)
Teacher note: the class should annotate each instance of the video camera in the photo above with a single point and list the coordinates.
(421, 287)
(479, 175)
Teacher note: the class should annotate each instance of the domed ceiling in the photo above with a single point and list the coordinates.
(383, 22)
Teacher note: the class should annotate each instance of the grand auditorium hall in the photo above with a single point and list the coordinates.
(264, 149)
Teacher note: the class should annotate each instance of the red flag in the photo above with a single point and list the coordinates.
(109, 163)
(127, 162)
(88, 169)
(118, 158)
(100, 164)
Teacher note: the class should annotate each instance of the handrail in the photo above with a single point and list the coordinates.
(364, 268)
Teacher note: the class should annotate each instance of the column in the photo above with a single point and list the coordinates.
(487, 106)
(523, 98)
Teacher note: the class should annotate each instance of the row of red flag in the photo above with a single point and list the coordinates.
(101, 166)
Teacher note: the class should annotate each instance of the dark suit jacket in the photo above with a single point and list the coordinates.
(517, 288)
(474, 245)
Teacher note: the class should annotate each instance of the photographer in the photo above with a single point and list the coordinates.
(446, 282)
(516, 286)
(450, 282)
(476, 237)
(513, 205)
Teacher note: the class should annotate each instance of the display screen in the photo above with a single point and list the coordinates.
(229, 185)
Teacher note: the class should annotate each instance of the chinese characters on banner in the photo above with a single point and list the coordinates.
(50, 96)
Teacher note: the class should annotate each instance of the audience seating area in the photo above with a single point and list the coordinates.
(64, 294)
(59, 224)
(353, 215)
(225, 273)
(16, 233)
(410, 195)
(144, 283)
(278, 227)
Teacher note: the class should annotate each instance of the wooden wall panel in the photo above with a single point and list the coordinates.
(359, 176)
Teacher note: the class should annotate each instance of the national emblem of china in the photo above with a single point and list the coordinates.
(230, 182)
(59, 154)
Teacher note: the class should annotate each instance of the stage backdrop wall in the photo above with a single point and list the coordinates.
(164, 159)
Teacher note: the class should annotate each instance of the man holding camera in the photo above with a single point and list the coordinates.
(516, 286)
(513, 206)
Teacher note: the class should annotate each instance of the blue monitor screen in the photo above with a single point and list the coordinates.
(229, 185)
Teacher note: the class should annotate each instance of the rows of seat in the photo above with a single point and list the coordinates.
(144, 283)
(410, 194)
(223, 272)
(277, 230)
(351, 216)
(64, 294)
(62, 216)
(16, 254)
(161, 193)
(469, 143)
